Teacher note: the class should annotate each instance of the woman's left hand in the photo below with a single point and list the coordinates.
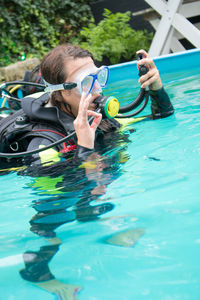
(152, 77)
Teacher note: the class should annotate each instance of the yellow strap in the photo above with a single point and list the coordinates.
(15, 88)
(128, 121)
(13, 169)
(49, 156)
(4, 101)
(10, 91)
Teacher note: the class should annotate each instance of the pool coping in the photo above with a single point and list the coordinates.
(162, 57)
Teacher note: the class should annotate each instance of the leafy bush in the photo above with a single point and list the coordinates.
(32, 27)
(113, 38)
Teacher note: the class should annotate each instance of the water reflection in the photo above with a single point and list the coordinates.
(66, 195)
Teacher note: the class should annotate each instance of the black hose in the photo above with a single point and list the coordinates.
(135, 103)
(27, 153)
(146, 96)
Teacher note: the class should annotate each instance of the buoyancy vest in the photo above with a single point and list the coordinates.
(35, 120)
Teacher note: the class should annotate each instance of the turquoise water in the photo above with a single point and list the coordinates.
(154, 188)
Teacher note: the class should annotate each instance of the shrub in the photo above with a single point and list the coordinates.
(30, 28)
(113, 38)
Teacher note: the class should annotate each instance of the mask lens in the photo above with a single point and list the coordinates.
(87, 84)
(102, 76)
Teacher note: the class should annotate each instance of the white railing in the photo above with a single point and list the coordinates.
(171, 25)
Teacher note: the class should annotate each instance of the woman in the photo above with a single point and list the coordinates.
(70, 105)
(58, 115)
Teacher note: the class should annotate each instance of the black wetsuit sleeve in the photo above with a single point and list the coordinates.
(82, 153)
(161, 105)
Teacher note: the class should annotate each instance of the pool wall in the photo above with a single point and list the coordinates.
(182, 61)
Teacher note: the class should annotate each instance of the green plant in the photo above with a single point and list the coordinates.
(32, 27)
(113, 38)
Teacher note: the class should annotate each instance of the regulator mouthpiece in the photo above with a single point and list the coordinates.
(107, 106)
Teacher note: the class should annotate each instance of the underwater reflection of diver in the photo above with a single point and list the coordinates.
(53, 213)
(70, 200)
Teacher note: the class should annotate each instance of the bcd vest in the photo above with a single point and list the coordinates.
(17, 130)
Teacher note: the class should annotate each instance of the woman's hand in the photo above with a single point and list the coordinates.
(152, 77)
(84, 131)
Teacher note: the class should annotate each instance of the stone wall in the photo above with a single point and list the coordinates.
(16, 71)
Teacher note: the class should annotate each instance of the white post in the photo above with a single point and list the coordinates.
(169, 10)
(187, 29)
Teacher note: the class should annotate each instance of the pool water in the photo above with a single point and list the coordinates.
(145, 244)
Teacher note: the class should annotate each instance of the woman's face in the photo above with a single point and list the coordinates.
(74, 68)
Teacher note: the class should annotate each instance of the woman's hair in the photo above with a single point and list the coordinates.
(53, 66)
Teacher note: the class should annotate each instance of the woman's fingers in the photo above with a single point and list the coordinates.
(84, 131)
(84, 105)
(149, 81)
(152, 77)
(142, 51)
(148, 75)
(147, 62)
(86, 100)
(97, 119)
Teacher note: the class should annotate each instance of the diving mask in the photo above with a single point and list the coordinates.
(94, 81)
(86, 81)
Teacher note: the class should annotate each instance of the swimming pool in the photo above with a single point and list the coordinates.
(152, 182)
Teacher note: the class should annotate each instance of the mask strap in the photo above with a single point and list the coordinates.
(50, 88)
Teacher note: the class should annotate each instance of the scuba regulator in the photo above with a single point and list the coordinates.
(109, 106)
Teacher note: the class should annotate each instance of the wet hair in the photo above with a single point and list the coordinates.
(53, 68)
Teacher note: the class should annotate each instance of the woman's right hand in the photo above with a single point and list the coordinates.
(152, 77)
(86, 132)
